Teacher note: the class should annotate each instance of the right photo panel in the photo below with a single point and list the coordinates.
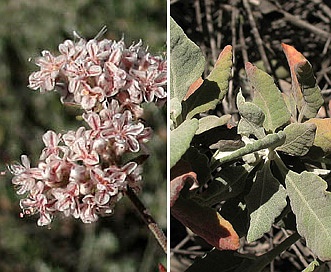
(250, 135)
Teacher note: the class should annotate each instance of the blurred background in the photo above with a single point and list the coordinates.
(117, 243)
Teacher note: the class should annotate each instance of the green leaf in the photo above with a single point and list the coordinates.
(175, 108)
(323, 133)
(311, 92)
(311, 203)
(180, 139)
(270, 141)
(268, 97)
(290, 104)
(299, 139)
(311, 267)
(213, 88)
(212, 121)
(252, 118)
(187, 62)
(265, 201)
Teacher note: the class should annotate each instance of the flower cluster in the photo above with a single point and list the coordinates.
(91, 72)
(80, 173)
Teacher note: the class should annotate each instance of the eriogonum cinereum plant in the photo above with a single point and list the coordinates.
(271, 164)
(84, 172)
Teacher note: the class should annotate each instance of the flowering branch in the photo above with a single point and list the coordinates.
(82, 172)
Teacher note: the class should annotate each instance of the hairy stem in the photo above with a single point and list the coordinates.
(148, 219)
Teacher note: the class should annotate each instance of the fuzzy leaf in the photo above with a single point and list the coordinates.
(269, 141)
(206, 223)
(212, 121)
(293, 57)
(312, 97)
(268, 97)
(299, 139)
(265, 202)
(193, 87)
(252, 118)
(311, 204)
(175, 108)
(305, 90)
(323, 133)
(187, 62)
(290, 104)
(180, 139)
(213, 88)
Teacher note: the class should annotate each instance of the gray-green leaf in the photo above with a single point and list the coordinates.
(212, 121)
(213, 88)
(311, 204)
(252, 118)
(311, 92)
(180, 139)
(265, 202)
(270, 141)
(268, 97)
(187, 62)
(299, 139)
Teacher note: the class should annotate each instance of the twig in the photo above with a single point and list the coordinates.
(242, 41)
(148, 219)
(296, 250)
(210, 27)
(266, 258)
(257, 37)
(323, 7)
(326, 46)
(219, 25)
(305, 25)
(234, 16)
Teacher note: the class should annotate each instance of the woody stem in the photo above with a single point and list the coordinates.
(148, 219)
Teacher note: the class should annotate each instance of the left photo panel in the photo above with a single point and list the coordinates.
(83, 136)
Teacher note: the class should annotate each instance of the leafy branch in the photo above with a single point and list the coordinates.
(250, 166)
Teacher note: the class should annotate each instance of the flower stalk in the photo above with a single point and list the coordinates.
(148, 219)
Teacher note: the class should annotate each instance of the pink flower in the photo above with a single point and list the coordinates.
(106, 185)
(67, 199)
(82, 151)
(37, 202)
(51, 141)
(25, 176)
(88, 209)
(49, 69)
(79, 173)
(124, 133)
